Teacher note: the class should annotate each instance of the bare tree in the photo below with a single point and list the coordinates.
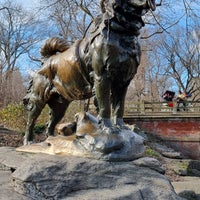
(70, 18)
(172, 51)
(183, 56)
(136, 90)
(18, 33)
(14, 88)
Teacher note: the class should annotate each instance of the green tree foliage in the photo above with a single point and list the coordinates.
(14, 116)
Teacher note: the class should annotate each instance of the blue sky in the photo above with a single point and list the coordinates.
(28, 4)
(31, 4)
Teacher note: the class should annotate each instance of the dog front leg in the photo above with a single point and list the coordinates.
(103, 89)
(118, 100)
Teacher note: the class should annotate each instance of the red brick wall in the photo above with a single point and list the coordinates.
(181, 134)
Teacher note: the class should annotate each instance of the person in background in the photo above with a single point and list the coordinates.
(181, 99)
(168, 96)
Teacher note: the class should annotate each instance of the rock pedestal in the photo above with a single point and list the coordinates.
(43, 176)
(84, 165)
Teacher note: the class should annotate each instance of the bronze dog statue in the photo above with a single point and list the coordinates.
(104, 61)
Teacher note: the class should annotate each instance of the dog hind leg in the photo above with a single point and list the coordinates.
(58, 106)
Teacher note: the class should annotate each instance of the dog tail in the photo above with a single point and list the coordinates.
(52, 46)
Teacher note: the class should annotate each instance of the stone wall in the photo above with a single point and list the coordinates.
(180, 133)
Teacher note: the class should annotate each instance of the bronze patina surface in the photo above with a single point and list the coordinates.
(102, 63)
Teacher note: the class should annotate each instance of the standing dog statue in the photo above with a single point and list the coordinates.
(105, 61)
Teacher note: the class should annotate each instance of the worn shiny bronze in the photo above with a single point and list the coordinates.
(104, 61)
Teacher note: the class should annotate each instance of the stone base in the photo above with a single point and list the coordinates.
(123, 146)
(43, 176)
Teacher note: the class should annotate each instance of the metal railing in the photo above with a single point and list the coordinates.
(162, 109)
